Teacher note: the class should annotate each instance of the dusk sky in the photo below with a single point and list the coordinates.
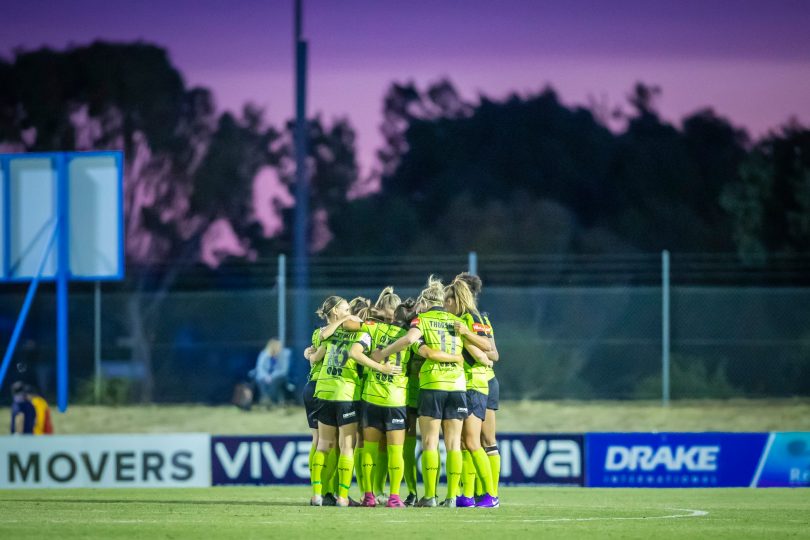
(750, 62)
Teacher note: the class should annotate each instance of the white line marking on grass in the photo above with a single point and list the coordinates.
(692, 513)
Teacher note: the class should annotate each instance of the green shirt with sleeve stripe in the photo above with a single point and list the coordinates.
(439, 333)
(340, 376)
(475, 373)
(379, 388)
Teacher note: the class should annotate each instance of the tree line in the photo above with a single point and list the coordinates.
(526, 174)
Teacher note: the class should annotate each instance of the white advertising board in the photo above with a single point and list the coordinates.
(71, 461)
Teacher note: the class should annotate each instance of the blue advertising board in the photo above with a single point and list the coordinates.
(673, 459)
(260, 460)
(787, 461)
(525, 459)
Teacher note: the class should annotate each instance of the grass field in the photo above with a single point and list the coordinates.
(514, 416)
(281, 512)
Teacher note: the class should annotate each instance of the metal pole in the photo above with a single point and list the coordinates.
(665, 328)
(97, 342)
(472, 263)
(301, 236)
(29, 299)
(62, 276)
(282, 299)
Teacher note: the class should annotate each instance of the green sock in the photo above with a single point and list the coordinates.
(358, 467)
(328, 476)
(468, 474)
(409, 457)
(345, 468)
(312, 449)
(396, 467)
(316, 472)
(482, 469)
(430, 471)
(495, 471)
(381, 472)
(370, 456)
(454, 465)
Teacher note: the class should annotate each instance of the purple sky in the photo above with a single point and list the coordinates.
(750, 62)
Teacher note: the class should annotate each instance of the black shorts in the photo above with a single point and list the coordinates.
(383, 418)
(477, 404)
(494, 394)
(443, 405)
(311, 404)
(338, 413)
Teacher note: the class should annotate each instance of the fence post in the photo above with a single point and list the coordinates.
(472, 263)
(665, 328)
(281, 287)
(97, 343)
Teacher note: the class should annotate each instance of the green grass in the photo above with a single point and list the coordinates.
(282, 512)
(514, 416)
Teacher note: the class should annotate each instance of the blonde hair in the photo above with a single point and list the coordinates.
(465, 299)
(473, 282)
(433, 294)
(328, 306)
(360, 307)
(386, 304)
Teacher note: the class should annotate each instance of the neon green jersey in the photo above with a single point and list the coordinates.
(315, 369)
(475, 373)
(439, 333)
(379, 388)
(339, 379)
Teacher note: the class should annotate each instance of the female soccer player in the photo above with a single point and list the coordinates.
(442, 388)
(311, 402)
(488, 428)
(459, 300)
(338, 390)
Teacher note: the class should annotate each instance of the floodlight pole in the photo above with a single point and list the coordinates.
(301, 236)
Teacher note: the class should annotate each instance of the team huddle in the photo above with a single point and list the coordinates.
(379, 370)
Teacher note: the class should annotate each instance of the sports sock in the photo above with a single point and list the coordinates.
(358, 468)
(454, 465)
(328, 475)
(316, 472)
(381, 472)
(409, 457)
(312, 449)
(482, 469)
(495, 468)
(370, 455)
(468, 474)
(396, 465)
(345, 466)
(430, 471)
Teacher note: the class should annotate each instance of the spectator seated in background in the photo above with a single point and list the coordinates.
(23, 413)
(43, 424)
(270, 373)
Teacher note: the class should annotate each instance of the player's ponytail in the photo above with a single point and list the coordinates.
(328, 306)
(388, 301)
(360, 307)
(433, 294)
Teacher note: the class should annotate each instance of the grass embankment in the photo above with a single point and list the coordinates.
(514, 416)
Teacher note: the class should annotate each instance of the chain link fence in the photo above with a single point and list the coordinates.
(555, 342)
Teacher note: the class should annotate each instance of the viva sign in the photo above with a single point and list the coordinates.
(525, 459)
